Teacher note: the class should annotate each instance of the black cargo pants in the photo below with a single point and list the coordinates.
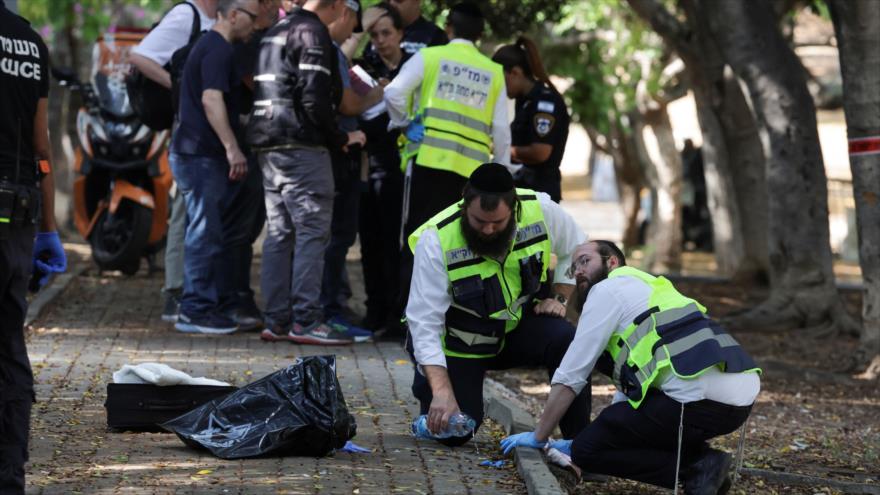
(16, 378)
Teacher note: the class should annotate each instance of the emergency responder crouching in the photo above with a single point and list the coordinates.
(472, 308)
(681, 379)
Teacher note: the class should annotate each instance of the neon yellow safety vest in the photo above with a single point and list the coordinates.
(457, 105)
(674, 333)
(487, 294)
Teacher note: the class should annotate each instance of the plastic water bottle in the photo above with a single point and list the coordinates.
(460, 425)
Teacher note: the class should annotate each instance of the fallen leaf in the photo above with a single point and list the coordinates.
(205, 471)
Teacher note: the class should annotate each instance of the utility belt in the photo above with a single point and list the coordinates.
(19, 207)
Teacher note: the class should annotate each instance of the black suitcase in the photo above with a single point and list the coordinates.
(142, 407)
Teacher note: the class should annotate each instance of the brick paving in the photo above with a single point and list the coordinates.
(102, 321)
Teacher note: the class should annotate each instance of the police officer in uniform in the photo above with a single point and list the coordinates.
(472, 307)
(24, 159)
(540, 126)
(681, 379)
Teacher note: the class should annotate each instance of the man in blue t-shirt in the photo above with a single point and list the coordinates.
(205, 156)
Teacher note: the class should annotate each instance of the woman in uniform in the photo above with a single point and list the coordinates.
(382, 201)
(540, 127)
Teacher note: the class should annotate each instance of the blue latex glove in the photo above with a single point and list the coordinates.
(415, 131)
(526, 439)
(355, 448)
(48, 255)
(563, 446)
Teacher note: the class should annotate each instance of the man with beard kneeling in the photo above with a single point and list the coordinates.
(681, 379)
(478, 267)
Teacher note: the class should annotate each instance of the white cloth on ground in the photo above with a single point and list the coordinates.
(159, 374)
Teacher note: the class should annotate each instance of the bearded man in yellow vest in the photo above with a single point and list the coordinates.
(450, 101)
(475, 301)
(681, 380)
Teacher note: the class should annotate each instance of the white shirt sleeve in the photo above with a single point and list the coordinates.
(501, 131)
(402, 88)
(429, 300)
(601, 316)
(171, 34)
(565, 236)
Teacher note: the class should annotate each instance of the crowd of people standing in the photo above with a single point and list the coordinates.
(288, 117)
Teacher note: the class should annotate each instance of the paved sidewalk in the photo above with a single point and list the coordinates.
(100, 323)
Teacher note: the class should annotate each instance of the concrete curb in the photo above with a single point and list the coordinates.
(53, 290)
(504, 408)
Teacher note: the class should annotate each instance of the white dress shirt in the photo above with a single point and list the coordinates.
(407, 85)
(171, 34)
(429, 297)
(614, 303)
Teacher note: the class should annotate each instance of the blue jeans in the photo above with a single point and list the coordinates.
(206, 189)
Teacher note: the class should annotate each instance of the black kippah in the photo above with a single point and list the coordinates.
(468, 9)
(492, 178)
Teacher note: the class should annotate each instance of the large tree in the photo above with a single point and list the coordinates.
(857, 26)
(803, 289)
(733, 156)
(620, 93)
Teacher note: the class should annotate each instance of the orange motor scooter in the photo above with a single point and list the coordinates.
(120, 193)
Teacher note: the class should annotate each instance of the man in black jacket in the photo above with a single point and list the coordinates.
(293, 126)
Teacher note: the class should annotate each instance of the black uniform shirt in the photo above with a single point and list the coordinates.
(422, 33)
(541, 117)
(24, 79)
(379, 138)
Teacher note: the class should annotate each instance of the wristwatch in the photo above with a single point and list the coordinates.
(562, 299)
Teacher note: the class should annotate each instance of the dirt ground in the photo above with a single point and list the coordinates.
(811, 418)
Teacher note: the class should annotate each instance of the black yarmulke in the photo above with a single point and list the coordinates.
(469, 9)
(492, 178)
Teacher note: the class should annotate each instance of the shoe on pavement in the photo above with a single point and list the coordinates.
(706, 476)
(213, 324)
(247, 318)
(318, 333)
(171, 308)
(276, 333)
(357, 333)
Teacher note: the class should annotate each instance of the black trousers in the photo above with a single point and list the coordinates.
(243, 221)
(16, 378)
(537, 341)
(431, 191)
(641, 444)
(381, 204)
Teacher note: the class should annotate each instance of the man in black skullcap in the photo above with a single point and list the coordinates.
(473, 305)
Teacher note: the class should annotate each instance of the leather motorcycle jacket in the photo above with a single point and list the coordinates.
(297, 86)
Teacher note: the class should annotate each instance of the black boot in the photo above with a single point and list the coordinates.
(707, 475)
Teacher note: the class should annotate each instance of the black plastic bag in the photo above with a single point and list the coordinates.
(299, 410)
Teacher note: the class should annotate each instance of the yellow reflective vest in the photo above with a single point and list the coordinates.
(457, 103)
(488, 294)
(674, 333)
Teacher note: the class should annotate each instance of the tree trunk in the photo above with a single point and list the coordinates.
(746, 157)
(667, 175)
(731, 148)
(804, 293)
(629, 176)
(856, 26)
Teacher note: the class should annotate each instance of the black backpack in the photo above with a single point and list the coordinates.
(153, 103)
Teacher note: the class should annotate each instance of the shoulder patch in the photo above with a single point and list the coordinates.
(546, 106)
(543, 123)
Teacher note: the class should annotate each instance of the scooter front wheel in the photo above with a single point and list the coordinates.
(119, 239)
